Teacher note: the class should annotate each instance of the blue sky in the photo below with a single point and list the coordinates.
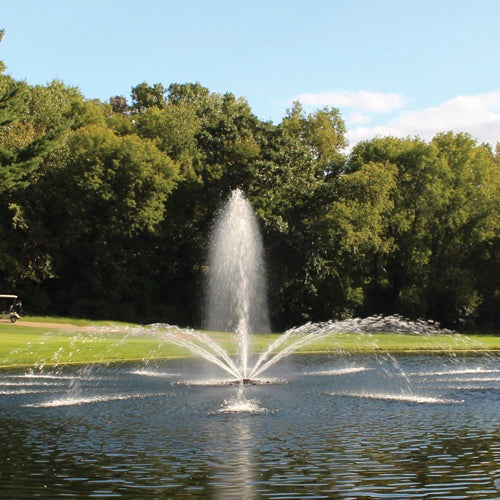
(393, 67)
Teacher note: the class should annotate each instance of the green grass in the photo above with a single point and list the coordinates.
(71, 321)
(33, 346)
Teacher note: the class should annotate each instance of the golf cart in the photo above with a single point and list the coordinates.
(10, 307)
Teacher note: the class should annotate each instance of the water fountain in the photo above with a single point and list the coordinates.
(236, 302)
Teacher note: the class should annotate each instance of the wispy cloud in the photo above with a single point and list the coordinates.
(360, 100)
(478, 115)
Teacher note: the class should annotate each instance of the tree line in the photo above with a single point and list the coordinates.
(106, 208)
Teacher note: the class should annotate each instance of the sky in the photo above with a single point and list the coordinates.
(392, 67)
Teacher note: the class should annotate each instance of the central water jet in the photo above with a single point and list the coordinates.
(236, 298)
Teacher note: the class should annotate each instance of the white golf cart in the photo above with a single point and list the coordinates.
(10, 307)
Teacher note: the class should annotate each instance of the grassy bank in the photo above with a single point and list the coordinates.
(22, 345)
(51, 341)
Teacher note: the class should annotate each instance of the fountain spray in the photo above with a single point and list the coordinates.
(236, 291)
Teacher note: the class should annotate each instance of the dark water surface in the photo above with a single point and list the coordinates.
(328, 427)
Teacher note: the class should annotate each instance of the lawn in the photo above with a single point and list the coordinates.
(63, 341)
(35, 346)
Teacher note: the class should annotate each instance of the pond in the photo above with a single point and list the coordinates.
(330, 426)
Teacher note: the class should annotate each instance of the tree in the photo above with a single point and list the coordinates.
(415, 195)
(465, 233)
(322, 131)
(291, 190)
(24, 140)
(174, 131)
(96, 208)
(352, 238)
(189, 93)
(445, 199)
(32, 128)
(144, 96)
(119, 104)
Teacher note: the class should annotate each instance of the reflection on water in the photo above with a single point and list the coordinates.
(411, 427)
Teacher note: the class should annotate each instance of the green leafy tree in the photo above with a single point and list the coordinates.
(465, 228)
(173, 129)
(190, 93)
(24, 140)
(415, 195)
(119, 104)
(105, 208)
(292, 189)
(444, 205)
(32, 129)
(352, 237)
(322, 131)
(108, 195)
(145, 96)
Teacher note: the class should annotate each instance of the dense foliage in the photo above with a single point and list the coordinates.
(105, 208)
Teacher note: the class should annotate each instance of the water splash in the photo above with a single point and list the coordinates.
(77, 400)
(16, 392)
(29, 383)
(241, 405)
(153, 373)
(409, 398)
(456, 371)
(298, 337)
(202, 345)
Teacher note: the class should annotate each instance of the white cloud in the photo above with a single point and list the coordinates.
(360, 100)
(478, 115)
(358, 118)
